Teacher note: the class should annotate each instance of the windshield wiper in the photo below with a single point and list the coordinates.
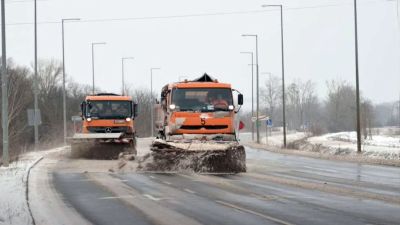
(186, 110)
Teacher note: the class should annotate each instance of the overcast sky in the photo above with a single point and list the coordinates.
(188, 38)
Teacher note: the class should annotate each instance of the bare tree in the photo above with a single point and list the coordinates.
(271, 94)
(301, 103)
(340, 106)
(143, 98)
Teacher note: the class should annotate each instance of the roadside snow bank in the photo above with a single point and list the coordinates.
(276, 139)
(383, 146)
(379, 146)
(13, 206)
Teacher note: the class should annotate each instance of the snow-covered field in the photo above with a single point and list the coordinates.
(13, 205)
(384, 143)
(378, 146)
(276, 139)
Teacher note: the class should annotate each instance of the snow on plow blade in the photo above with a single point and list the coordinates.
(197, 156)
(99, 145)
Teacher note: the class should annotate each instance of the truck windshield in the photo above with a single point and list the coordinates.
(202, 99)
(109, 109)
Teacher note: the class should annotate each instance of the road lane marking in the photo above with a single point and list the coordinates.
(190, 191)
(254, 213)
(321, 169)
(152, 197)
(118, 197)
(166, 182)
(152, 177)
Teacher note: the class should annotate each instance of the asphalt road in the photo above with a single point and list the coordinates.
(277, 189)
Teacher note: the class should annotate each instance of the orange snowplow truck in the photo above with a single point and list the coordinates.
(108, 126)
(202, 109)
(196, 128)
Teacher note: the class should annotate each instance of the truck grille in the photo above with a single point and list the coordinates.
(216, 127)
(108, 129)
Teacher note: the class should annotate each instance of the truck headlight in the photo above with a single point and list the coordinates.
(231, 107)
(128, 119)
(172, 107)
(89, 119)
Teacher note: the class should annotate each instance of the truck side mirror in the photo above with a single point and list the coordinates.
(83, 109)
(135, 110)
(240, 99)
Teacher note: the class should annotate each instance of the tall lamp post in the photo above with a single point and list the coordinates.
(283, 73)
(252, 90)
(357, 80)
(123, 73)
(4, 90)
(257, 87)
(93, 45)
(35, 83)
(63, 62)
(151, 101)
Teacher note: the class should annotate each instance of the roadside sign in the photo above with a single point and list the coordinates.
(260, 118)
(76, 118)
(269, 123)
(31, 117)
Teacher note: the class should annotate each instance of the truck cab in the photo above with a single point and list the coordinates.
(200, 109)
(108, 113)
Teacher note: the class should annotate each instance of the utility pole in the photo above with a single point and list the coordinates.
(252, 91)
(257, 88)
(357, 80)
(36, 87)
(152, 101)
(123, 73)
(283, 74)
(4, 94)
(64, 94)
(398, 111)
(93, 45)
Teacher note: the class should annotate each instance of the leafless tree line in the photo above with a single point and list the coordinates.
(20, 95)
(306, 111)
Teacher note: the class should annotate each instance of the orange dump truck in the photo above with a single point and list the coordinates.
(195, 121)
(108, 127)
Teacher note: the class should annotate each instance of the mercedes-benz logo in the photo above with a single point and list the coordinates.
(108, 130)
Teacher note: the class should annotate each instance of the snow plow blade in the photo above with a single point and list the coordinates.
(197, 156)
(100, 145)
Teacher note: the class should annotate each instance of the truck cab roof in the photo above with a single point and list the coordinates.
(108, 98)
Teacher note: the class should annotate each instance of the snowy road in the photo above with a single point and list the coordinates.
(278, 189)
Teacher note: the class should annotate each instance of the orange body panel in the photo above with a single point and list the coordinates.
(107, 123)
(203, 123)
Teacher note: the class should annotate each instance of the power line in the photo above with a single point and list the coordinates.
(191, 15)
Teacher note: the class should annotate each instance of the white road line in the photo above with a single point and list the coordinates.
(190, 191)
(152, 197)
(166, 182)
(254, 213)
(152, 177)
(321, 169)
(117, 197)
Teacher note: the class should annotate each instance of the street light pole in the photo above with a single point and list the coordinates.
(357, 80)
(151, 101)
(283, 74)
(252, 91)
(123, 73)
(64, 94)
(36, 87)
(257, 87)
(94, 44)
(4, 90)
